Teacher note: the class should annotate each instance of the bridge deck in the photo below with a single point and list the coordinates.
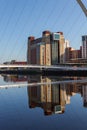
(43, 67)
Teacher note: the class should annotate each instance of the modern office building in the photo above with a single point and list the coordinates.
(84, 47)
(47, 50)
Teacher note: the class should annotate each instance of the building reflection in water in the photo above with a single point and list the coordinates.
(15, 78)
(52, 98)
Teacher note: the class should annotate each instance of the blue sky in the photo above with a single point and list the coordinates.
(22, 18)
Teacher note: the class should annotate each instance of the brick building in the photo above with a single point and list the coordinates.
(74, 55)
(47, 50)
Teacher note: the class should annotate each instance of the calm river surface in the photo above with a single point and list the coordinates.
(43, 103)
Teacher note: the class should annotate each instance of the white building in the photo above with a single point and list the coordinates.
(66, 48)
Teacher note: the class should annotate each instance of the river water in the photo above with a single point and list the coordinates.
(43, 103)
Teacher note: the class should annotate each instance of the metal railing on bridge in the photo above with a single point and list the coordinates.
(43, 67)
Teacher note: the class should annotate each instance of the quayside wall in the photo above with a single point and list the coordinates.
(46, 72)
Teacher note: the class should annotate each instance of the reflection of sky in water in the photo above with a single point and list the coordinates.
(15, 113)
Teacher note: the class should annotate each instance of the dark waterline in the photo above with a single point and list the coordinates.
(46, 72)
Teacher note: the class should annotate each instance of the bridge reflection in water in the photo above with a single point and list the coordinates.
(52, 94)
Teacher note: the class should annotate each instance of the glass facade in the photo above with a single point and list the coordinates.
(56, 36)
(84, 38)
(58, 109)
(54, 52)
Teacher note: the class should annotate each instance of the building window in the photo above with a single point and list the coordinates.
(56, 36)
(83, 38)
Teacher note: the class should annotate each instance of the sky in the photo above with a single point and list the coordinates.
(20, 19)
